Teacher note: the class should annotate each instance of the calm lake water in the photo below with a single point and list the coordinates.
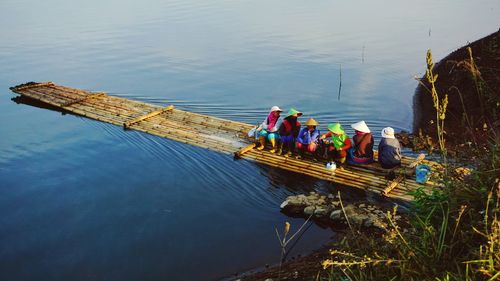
(84, 200)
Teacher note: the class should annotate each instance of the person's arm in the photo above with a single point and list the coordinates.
(301, 136)
(327, 135)
(264, 124)
(347, 144)
(314, 135)
(307, 135)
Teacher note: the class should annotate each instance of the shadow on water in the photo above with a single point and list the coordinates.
(36, 103)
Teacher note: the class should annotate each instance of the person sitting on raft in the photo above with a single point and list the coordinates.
(289, 131)
(362, 150)
(269, 129)
(340, 143)
(389, 150)
(308, 138)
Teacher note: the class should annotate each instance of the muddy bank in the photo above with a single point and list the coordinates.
(472, 85)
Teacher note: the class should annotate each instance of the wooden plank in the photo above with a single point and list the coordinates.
(127, 125)
(244, 150)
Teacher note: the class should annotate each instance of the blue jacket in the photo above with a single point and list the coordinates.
(306, 137)
(389, 153)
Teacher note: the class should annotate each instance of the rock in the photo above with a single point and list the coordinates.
(309, 210)
(358, 218)
(362, 205)
(313, 197)
(321, 201)
(284, 204)
(320, 211)
(331, 196)
(368, 222)
(295, 201)
(335, 215)
(350, 210)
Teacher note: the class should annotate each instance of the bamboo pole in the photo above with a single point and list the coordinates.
(313, 169)
(365, 185)
(30, 85)
(319, 169)
(171, 133)
(351, 175)
(244, 150)
(44, 97)
(144, 117)
(197, 137)
(88, 97)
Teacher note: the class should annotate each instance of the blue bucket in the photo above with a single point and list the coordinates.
(422, 173)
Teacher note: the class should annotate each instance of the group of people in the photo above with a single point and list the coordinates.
(286, 137)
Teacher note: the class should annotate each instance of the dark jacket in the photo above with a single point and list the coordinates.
(290, 126)
(363, 145)
(389, 153)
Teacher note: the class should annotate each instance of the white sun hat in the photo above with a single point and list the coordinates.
(388, 132)
(361, 126)
(276, 108)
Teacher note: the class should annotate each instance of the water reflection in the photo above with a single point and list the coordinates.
(86, 200)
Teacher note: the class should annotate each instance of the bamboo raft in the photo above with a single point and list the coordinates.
(216, 134)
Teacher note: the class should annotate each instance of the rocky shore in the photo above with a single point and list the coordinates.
(330, 210)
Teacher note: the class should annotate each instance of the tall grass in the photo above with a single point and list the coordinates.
(453, 232)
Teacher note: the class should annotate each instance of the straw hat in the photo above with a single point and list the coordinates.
(311, 122)
(293, 111)
(336, 128)
(388, 132)
(361, 126)
(276, 108)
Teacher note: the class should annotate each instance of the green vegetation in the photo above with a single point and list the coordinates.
(454, 232)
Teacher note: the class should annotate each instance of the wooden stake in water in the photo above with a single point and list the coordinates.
(340, 79)
(363, 54)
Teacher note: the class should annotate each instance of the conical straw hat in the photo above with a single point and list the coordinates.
(336, 128)
(311, 122)
(361, 126)
(293, 111)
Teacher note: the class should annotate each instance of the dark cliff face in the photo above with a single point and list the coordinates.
(472, 89)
